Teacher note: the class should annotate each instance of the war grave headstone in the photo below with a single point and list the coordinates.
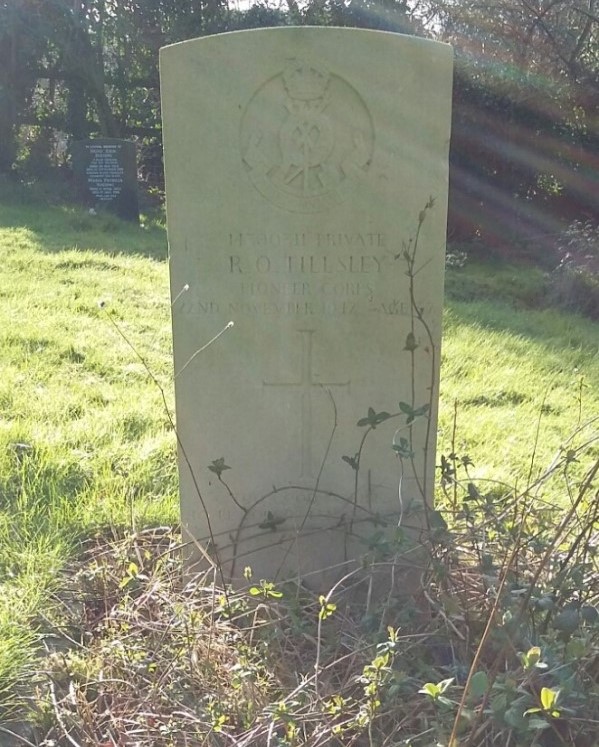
(300, 167)
(106, 175)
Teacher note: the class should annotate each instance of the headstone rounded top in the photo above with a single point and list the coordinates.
(304, 31)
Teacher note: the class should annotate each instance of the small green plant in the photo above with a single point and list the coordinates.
(436, 692)
(549, 699)
(326, 608)
(266, 590)
(531, 660)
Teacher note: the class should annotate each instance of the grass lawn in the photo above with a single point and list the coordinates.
(84, 440)
(85, 443)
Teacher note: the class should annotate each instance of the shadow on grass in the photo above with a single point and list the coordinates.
(560, 342)
(57, 225)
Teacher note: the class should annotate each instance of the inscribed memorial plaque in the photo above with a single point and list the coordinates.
(300, 163)
(106, 175)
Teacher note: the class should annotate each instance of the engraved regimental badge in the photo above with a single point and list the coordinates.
(306, 137)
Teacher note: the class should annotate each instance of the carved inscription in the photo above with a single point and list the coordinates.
(307, 239)
(306, 136)
(105, 173)
(303, 275)
(306, 385)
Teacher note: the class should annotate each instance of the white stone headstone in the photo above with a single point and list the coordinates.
(299, 162)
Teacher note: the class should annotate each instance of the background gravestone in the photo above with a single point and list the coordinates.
(106, 175)
(299, 164)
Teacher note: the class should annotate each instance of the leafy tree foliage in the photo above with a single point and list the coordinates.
(525, 134)
(525, 150)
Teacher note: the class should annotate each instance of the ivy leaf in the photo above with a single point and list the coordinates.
(549, 698)
(499, 704)
(532, 659)
(411, 343)
(422, 410)
(589, 614)
(479, 684)
(374, 541)
(405, 254)
(353, 462)
(545, 603)
(373, 418)
(567, 621)
(515, 718)
(413, 412)
(444, 684)
(431, 690)
(401, 446)
(218, 466)
(437, 521)
(473, 493)
(271, 522)
(326, 608)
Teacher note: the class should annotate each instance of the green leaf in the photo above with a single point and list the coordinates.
(473, 493)
(380, 662)
(589, 614)
(575, 649)
(431, 690)
(373, 418)
(436, 691)
(513, 717)
(532, 710)
(133, 570)
(549, 698)
(271, 522)
(437, 521)
(354, 462)
(411, 343)
(479, 684)
(444, 684)
(412, 412)
(567, 621)
(531, 658)
(499, 703)
(401, 446)
(326, 608)
(545, 603)
(218, 466)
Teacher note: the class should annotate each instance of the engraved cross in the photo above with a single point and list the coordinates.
(306, 383)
